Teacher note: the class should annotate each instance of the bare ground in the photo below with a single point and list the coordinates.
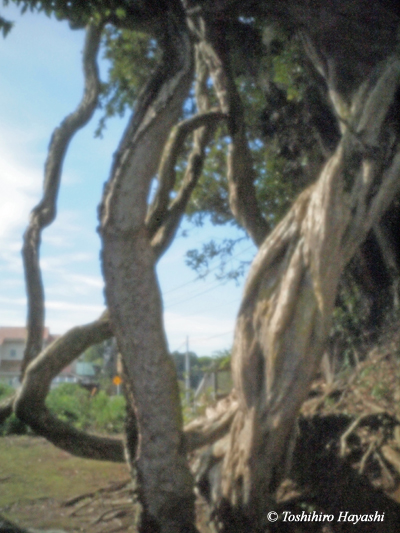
(43, 487)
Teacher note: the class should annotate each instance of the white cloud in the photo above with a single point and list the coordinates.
(206, 333)
(90, 281)
(20, 188)
(62, 316)
(67, 306)
(13, 301)
(12, 317)
(60, 262)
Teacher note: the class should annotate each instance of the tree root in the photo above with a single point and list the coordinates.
(115, 486)
(392, 457)
(213, 426)
(323, 477)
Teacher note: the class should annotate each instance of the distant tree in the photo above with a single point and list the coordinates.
(104, 356)
(195, 367)
(342, 151)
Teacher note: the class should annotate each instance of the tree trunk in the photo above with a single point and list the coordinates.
(134, 300)
(285, 314)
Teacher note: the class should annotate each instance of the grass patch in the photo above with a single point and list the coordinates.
(31, 469)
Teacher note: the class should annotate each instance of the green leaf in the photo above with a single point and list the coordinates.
(5, 26)
(121, 13)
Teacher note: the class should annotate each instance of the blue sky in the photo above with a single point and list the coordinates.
(41, 82)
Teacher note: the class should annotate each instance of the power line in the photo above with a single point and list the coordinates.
(180, 346)
(230, 332)
(194, 296)
(214, 286)
(207, 309)
(209, 272)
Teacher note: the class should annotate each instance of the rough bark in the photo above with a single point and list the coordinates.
(285, 313)
(133, 294)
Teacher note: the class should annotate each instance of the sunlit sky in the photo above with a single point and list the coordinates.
(41, 82)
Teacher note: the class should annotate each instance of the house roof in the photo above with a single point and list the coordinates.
(19, 334)
(8, 366)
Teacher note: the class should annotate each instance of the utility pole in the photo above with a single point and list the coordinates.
(187, 372)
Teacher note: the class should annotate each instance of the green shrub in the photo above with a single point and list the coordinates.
(74, 404)
(108, 412)
(5, 391)
(71, 403)
(13, 426)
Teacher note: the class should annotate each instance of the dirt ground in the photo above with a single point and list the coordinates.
(46, 488)
(43, 487)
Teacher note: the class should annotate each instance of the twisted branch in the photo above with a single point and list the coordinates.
(29, 403)
(50, 362)
(167, 218)
(40, 370)
(167, 171)
(290, 293)
(45, 211)
(241, 174)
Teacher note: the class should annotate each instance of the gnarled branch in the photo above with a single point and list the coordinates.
(288, 300)
(132, 292)
(167, 172)
(67, 348)
(241, 175)
(44, 213)
(167, 217)
(29, 404)
(213, 426)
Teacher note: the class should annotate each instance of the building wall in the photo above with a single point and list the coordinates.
(12, 346)
(12, 350)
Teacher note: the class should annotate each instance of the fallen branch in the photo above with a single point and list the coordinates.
(390, 482)
(111, 488)
(89, 500)
(371, 449)
(353, 426)
(111, 514)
